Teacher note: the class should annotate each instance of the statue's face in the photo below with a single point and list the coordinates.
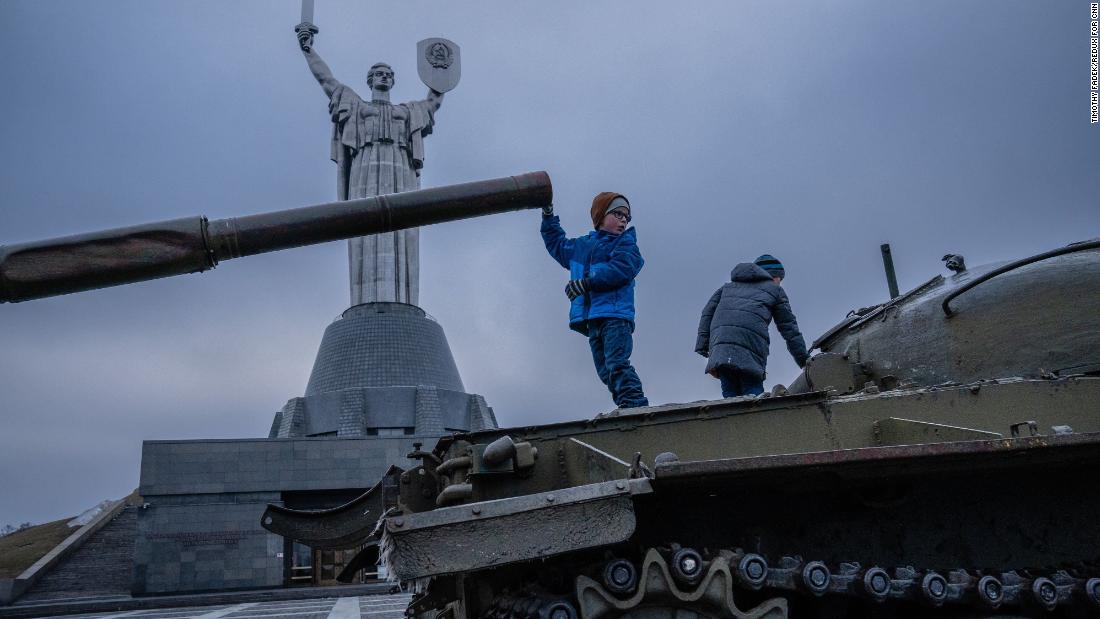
(380, 78)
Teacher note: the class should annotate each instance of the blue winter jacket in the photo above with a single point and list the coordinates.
(609, 262)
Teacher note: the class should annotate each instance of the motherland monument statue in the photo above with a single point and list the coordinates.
(378, 148)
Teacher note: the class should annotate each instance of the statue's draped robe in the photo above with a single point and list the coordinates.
(378, 149)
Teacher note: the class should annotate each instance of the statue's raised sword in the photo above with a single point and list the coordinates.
(307, 22)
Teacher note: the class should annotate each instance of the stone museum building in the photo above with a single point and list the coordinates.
(384, 378)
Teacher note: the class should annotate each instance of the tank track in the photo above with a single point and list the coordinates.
(987, 590)
(672, 581)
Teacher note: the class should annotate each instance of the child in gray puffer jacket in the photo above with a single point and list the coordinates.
(733, 330)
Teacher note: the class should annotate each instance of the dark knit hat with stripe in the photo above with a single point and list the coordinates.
(772, 265)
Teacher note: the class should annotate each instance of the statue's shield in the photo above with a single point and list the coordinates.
(437, 62)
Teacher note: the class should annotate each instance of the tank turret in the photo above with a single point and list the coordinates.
(194, 244)
(1026, 318)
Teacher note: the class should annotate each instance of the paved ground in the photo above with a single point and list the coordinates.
(365, 607)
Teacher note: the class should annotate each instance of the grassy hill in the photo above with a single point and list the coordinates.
(21, 549)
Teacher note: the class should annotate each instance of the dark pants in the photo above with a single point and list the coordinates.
(612, 342)
(735, 384)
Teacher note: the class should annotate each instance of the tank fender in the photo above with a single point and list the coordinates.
(475, 536)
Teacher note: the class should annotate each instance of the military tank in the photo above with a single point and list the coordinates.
(937, 457)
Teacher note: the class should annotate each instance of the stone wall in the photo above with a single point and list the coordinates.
(206, 542)
(199, 529)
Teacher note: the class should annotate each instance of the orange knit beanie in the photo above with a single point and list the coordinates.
(600, 205)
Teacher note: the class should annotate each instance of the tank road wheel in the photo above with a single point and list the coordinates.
(658, 595)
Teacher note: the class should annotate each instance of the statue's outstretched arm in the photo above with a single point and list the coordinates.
(317, 66)
(435, 99)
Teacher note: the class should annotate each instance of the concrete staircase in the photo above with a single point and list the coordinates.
(102, 566)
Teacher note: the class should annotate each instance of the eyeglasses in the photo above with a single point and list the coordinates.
(621, 216)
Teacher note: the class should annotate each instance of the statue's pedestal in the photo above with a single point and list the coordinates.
(383, 369)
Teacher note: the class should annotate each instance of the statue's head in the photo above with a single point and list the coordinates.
(380, 76)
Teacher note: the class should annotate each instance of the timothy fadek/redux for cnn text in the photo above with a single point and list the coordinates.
(1094, 73)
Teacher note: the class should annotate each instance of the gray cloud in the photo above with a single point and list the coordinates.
(811, 131)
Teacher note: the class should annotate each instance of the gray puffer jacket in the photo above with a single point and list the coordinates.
(733, 330)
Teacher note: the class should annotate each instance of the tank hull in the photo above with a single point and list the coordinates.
(916, 482)
(937, 459)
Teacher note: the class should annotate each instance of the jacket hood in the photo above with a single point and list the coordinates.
(749, 272)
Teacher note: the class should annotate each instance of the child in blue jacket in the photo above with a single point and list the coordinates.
(602, 267)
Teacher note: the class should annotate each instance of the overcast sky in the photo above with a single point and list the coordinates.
(813, 131)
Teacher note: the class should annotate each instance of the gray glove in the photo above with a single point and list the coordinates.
(548, 210)
(575, 288)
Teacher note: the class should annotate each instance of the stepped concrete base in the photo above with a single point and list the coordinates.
(13, 589)
(383, 369)
(102, 566)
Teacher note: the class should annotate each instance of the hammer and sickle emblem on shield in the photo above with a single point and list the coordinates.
(439, 63)
(438, 55)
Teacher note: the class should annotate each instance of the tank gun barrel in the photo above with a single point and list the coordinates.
(194, 244)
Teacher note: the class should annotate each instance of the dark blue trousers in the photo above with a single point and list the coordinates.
(735, 384)
(612, 341)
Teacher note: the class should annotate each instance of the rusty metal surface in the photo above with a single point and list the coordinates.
(255, 234)
(1036, 450)
(478, 544)
(467, 538)
(507, 507)
(127, 255)
(101, 259)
